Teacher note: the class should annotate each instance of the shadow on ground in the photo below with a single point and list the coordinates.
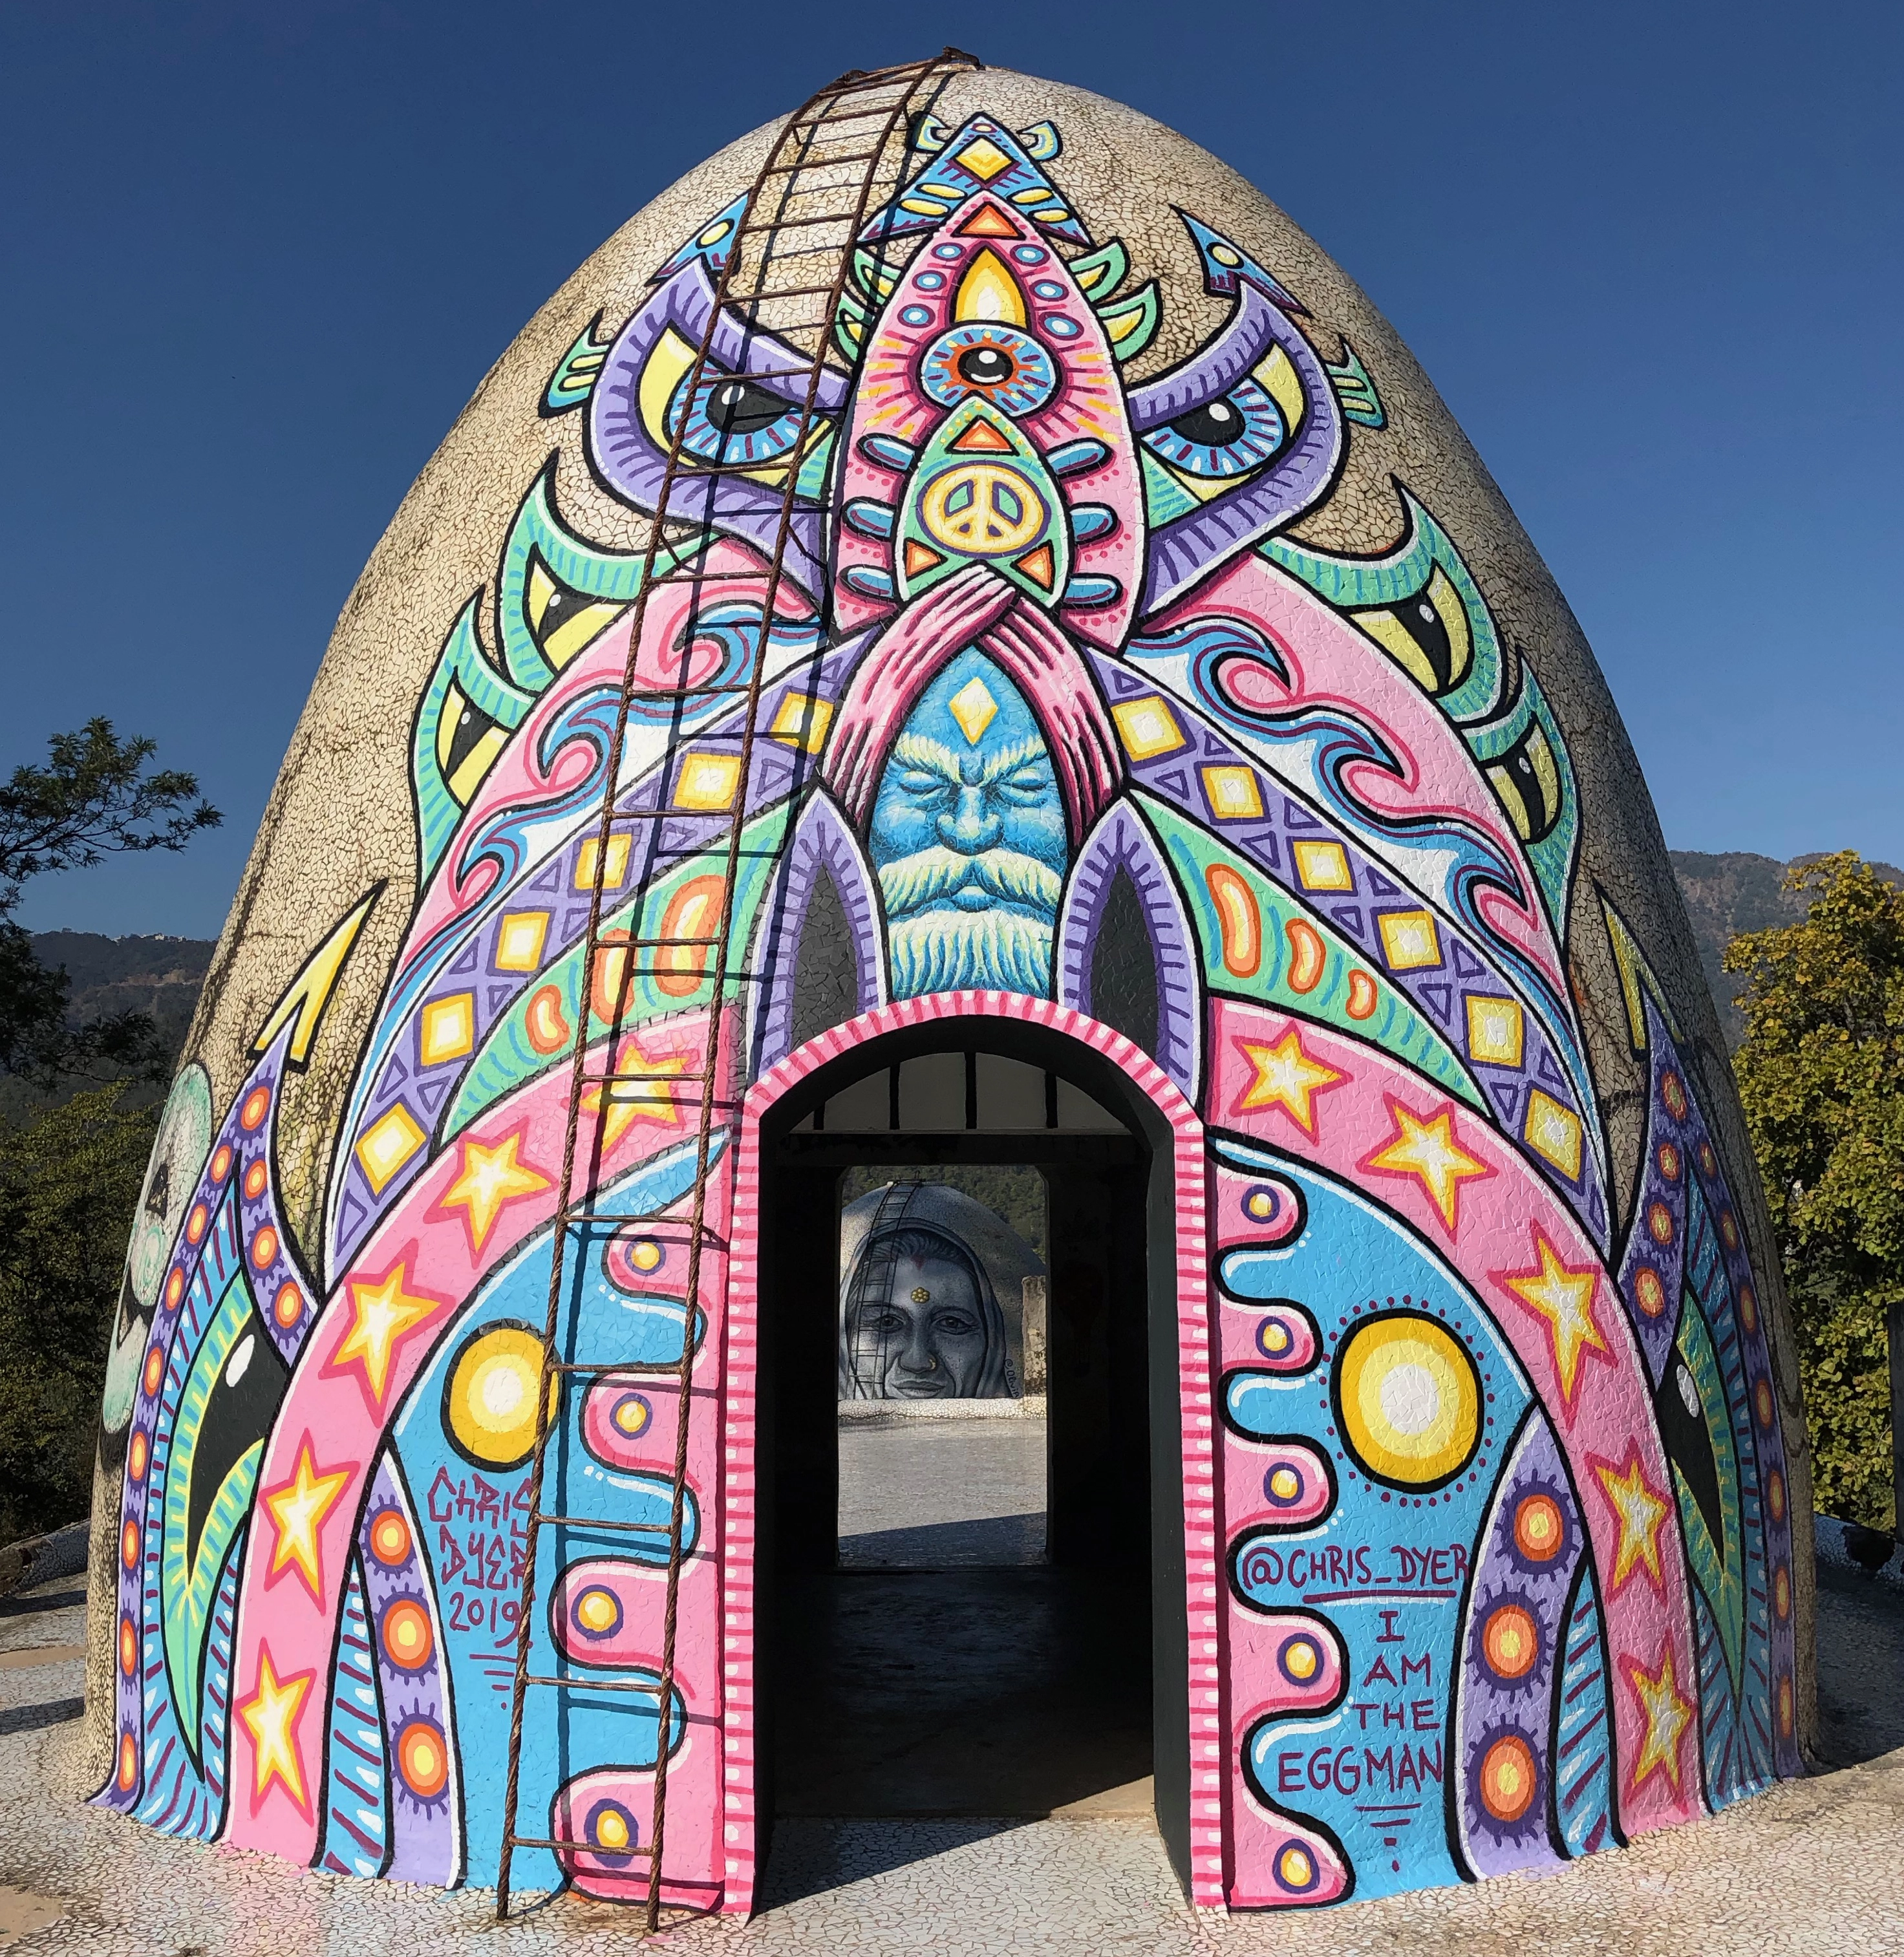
(1860, 1668)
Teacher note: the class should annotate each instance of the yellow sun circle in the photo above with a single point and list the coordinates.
(489, 1405)
(1410, 1399)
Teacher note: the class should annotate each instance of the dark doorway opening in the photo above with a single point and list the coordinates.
(1007, 1685)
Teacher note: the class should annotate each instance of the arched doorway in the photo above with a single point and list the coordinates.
(1130, 1483)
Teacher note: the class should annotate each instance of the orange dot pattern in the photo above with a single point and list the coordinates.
(390, 1539)
(1540, 1531)
(1510, 1641)
(1508, 1778)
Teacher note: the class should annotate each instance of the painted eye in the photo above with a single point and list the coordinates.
(1030, 784)
(467, 744)
(1228, 434)
(1009, 369)
(561, 621)
(985, 366)
(729, 419)
(1427, 633)
(1527, 779)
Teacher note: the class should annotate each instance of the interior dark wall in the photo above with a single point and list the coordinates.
(1098, 1475)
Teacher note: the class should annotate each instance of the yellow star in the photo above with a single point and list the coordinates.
(1667, 1715)
(298, 1507)
(1428, 1150)
(270, 1715)
(1286, 1077)
(1564, 1297)
(1639, 1512)
(487, 1180)
(630, 1101)
(383, 1314)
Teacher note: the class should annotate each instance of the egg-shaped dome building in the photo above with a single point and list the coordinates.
(959, 621)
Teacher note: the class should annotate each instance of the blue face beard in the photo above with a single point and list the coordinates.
(938, 945)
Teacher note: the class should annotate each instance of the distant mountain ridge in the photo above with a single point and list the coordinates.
(157, 974)
(1724, 895)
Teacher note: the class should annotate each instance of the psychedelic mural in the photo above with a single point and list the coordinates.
(1065, 697)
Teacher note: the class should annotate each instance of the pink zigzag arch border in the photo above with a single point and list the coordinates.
(1203, 1561)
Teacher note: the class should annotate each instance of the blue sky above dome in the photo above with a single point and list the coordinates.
(265, 261)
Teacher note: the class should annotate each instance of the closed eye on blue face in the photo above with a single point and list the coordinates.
(729, 419)
(1027, 787)
(1228, 435)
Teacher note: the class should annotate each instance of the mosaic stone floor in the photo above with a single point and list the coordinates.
(1817, 1867)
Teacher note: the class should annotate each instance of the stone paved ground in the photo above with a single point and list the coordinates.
(1815, 1867)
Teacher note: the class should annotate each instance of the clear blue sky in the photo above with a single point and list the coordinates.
(256, 258)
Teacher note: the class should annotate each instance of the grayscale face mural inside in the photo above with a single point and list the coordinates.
(920, 1317)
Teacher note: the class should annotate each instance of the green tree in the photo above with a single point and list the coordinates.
(1821, 1074)
(70, 1175)
(95, 798)
(68, 1184)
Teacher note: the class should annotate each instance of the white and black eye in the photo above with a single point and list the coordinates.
(1527, 779)
(468, 742)
(730, 419)
(1428, 632)
(1228, 434)
(1008, 369)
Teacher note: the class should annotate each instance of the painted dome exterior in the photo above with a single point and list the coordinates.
(1154, 660)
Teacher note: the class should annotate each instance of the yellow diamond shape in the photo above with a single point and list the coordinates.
(984, 159)
(387, 1145)
(1232, 794)
(618, 863)
(519, 940)
(1554, 1132)
(1496, 1031)
(1409, 939)
(802, 720)
(1323, 866)
(1148, 726)
(974, 709)
(448, 1029)
(707, 781)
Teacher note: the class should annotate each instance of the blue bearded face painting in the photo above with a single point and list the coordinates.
(968, 839)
